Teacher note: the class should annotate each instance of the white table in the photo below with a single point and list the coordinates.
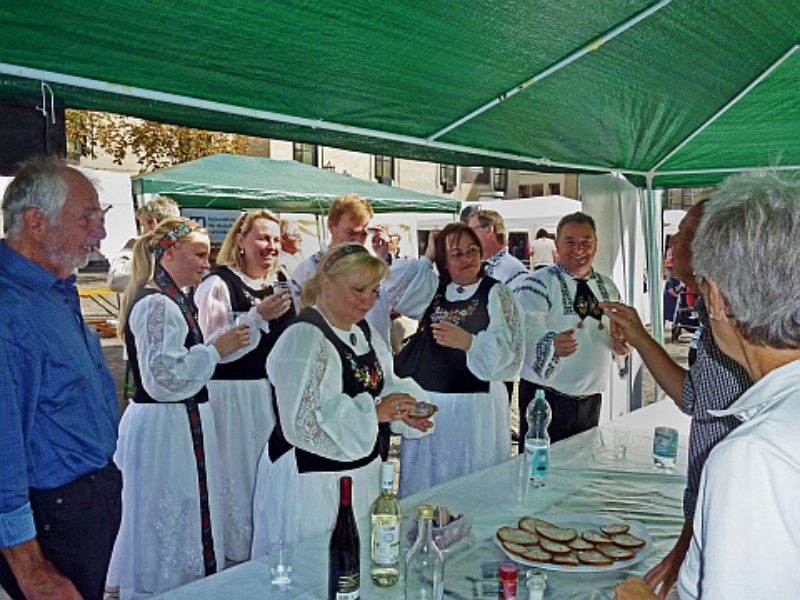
(588, 476)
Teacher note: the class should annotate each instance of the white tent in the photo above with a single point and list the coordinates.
(672, 219)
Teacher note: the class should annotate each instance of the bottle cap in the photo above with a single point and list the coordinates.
(387, 476)
(539, 394)
(425, 511)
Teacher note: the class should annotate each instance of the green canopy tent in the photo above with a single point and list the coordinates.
(228, 181)
(667, 92)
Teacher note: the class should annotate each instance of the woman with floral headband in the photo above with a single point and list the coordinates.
(171, 530)
(333, 380)
(247, 288)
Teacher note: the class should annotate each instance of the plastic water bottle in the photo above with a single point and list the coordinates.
(537, 440)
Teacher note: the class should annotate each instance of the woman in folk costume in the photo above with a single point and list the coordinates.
(334, 384)
(171, 530)
(245, 288)
(469, 341)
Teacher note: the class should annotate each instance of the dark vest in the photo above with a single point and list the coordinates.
(141, 396)
(359, 374)
(434, 367)
(253, 364)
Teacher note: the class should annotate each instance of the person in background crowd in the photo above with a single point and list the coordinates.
(469, 340)
(59, 488)
(744, 543)
(291, 247)
(543, 250)
(568, 349)
(247, 287)
(334, 384)
(148, 216)
(171, 530)
(500, 264)
(672, 292)
(712, 383)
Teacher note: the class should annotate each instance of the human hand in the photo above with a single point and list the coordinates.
(420, 423)
(36, 576)
(275, 305)
(626, 326)
(394, 406)
(233, 339)
(565, 343)
(633, 588)
(430, 249)
(663, 576)
(620, 347)
(380, 242)
(451, 336)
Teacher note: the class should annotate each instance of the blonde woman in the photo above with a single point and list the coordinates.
(246, 287)
(171, 530)
(333, 380)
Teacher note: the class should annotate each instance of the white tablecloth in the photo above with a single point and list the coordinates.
(589, 474)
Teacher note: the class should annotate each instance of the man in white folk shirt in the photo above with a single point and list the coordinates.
(498, 261)
(568, 347)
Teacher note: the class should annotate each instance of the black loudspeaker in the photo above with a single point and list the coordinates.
(25, 132)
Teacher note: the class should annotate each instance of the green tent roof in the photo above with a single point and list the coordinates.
(228, 181)
(682, 90)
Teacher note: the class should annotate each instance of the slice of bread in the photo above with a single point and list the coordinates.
(517, 549)
(614, 552)
(516, 536)
(536, 554)
(569, 560)
(596, 537)
(615, 528)
(580, 544)
(594, 558)
(553, 547)
(626, 540)
(557, 534)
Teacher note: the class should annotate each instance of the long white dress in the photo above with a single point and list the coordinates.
(242, 411)
(159, 545)
(318, 417)
(472, 430)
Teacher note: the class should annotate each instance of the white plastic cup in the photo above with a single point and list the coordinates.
(665, 447)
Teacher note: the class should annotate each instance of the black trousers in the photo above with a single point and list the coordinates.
(571, 415)
(76, 525)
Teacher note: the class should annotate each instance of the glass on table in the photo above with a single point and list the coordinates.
(279, 559)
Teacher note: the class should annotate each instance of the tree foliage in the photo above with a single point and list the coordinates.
(155, 145)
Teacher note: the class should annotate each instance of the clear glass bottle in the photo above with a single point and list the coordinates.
(385, 532)
(537, 439)
(424, 577)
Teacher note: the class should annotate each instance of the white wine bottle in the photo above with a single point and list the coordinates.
(385, 528)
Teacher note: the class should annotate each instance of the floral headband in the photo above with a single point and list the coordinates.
(173, 236)
(346, 250)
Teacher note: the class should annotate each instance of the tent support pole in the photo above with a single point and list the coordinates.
(652, 232)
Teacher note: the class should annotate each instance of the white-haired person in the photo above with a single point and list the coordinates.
(745, 542)
(172, 525)
(333, 380)
(246, 287)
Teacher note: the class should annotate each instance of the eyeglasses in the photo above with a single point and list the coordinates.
(471, 252)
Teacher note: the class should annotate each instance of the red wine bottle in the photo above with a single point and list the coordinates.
(344, 569)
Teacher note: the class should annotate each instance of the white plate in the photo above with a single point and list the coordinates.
(583, 522)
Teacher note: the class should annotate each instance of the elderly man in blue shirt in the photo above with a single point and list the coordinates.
(59, 489)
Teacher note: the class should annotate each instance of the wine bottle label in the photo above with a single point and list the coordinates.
(348, 587)
(386, 547)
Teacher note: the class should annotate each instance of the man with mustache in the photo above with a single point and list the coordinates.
(59, 489)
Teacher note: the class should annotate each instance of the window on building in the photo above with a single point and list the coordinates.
(384, 169)
(499, 180)
(306, 153)
(447, 177)
(554, 189)
(531, 190)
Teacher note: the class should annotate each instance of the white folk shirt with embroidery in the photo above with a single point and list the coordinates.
(746, 538)
(506, 268)
(546, 297)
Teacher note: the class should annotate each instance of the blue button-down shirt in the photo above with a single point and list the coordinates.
(58, 405)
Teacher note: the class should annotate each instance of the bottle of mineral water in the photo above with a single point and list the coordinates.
(424, 578)
(385, 530)
(537, 440)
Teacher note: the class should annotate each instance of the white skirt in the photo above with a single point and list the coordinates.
(292, 507)
(472, 433)
(159, 544)
(244, 419)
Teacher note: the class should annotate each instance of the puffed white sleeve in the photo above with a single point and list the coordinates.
(170, 372)
(398, 385)
(496, 352)
(316, 415)
(410, 286)
(214, 312)
(534, 299)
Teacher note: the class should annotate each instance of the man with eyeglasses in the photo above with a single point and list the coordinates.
(568, 347)
(60, 503)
